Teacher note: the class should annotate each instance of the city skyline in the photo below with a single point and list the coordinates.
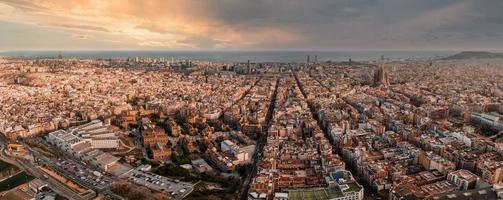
(243, 25)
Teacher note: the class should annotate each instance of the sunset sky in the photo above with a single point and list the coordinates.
(251, 24)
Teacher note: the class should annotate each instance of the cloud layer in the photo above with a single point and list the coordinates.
(252, 24)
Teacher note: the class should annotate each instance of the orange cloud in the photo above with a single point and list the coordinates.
(81, 36)
(154, 23)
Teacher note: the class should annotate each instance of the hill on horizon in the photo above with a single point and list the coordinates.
(474, 55)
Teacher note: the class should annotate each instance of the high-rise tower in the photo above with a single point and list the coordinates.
(248, 67)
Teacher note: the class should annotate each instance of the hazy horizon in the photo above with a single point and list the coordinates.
(241, 56)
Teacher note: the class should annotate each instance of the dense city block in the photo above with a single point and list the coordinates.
(165, 128)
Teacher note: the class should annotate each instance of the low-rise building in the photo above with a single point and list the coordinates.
(160, 151)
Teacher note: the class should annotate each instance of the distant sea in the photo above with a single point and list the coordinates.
(242, 56)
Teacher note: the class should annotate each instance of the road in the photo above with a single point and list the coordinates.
(257, 156)
(368, 190)
(70, 167)
(27, 166)
(72, 176)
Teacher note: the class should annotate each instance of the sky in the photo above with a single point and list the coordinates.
(251, 24)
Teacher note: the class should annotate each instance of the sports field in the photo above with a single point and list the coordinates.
(315, 194)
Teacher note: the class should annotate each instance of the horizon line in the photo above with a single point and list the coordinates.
(242, 50)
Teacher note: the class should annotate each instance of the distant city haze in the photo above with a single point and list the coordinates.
(243, 56)
(251, 25)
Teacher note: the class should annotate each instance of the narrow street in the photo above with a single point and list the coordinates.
(260, 145)
(368, 191)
